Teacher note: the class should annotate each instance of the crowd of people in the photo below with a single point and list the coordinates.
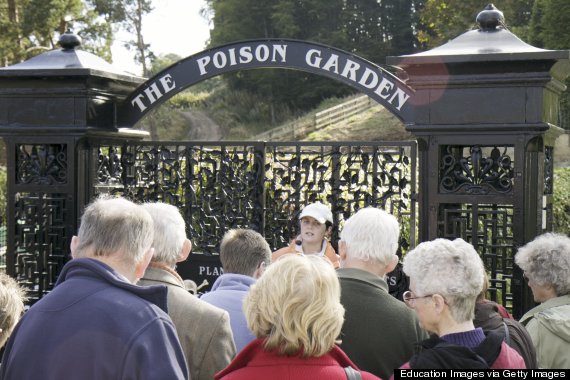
(119, 309)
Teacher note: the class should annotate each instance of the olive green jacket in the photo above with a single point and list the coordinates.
(380, 332)
(549, 327)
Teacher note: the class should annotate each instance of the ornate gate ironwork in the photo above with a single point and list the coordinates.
(261, 185)
(217, 186)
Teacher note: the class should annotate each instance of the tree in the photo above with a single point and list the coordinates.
(30, 27)
(551, 24)
(548, 29)
(443, 20)
(129, 15)
(369, 28)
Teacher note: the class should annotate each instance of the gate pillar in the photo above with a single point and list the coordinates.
(54, 109)
(486, 116)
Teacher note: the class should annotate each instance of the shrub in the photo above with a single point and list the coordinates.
(2, 195)
(561, 201)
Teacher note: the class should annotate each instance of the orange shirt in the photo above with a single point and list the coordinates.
(329, 253)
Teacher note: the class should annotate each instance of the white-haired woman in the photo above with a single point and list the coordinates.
(546, 265)
(445, 279)
(294, 310)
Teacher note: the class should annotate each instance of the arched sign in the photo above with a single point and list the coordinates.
(365, 76)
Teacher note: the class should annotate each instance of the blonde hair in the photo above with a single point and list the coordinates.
(12, 298)
(296, 306)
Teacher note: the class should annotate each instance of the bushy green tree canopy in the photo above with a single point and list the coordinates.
(372, 29)
(29, 27)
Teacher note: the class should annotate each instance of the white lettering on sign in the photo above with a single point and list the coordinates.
(369, 78)
(245, 54)
(365, 77)
(210, 271)
(153, 92)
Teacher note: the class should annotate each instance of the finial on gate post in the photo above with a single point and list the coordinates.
(69, 40)
(490, 17)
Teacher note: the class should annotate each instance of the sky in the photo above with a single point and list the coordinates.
(174, 26)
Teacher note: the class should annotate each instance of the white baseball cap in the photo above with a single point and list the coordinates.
(318, 211)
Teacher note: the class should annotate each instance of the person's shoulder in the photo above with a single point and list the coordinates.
(196, 305)
(508, 358)
(283, 251)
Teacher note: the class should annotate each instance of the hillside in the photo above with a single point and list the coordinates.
(374, 124)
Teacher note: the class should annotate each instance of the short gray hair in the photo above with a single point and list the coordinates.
(115, 225)
(169, 232)
(452, 269)
(546, 261)
(371, 234)
(242, 250)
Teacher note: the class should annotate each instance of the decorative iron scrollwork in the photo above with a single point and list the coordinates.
(41, 240)
(475, 174)
(489, 227)
(261, 185)
(548, 169)
(43, 164)
(109, 169)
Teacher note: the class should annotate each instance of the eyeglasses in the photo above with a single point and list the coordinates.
(409, 298)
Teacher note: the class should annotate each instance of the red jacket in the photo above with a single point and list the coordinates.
(253, 363)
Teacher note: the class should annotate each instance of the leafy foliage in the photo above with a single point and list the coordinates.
(443, 20)
(30, 27)
(368, 28)
(561, 202)
(3, 193)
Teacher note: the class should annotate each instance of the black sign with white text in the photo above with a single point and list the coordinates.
(367, 77)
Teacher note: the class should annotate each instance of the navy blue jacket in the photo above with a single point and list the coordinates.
(95, 325)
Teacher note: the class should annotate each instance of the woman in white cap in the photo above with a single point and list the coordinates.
(316, 221)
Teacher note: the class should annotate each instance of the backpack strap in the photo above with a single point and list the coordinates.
(490, 349)
(352, 374)
(507, 334)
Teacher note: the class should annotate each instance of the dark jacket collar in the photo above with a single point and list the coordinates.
(438, 354)
(88, 267)
(363, 276)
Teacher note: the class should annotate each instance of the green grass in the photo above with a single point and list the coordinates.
(375, 124)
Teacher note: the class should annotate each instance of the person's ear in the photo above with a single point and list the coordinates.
(73, 246)
(140, 268)
(342, 249)
(260, 269)
(439, 302)
(392, 264)
(186, 249)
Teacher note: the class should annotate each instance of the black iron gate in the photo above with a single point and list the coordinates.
(261, 185)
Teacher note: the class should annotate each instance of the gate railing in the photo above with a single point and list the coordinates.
(262, 185)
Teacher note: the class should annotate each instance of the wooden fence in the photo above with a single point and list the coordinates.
(302, 127)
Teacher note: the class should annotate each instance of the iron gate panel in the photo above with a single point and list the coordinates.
(40, 198)
(346, 176)
(489, 227)
(223, 185)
